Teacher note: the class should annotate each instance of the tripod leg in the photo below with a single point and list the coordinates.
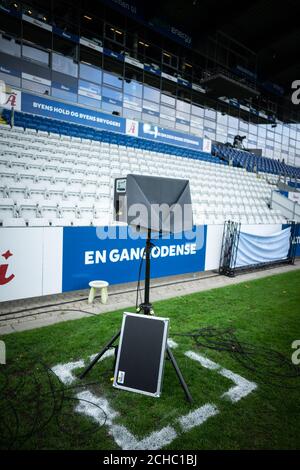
(96, 359)
(179, 375)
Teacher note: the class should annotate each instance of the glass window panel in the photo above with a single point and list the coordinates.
(90, 86)
(90, 90)
(111, 107)
(10, 79)
(244, 126)
(166, 99)
(209, 135)
(64, 64)
(286, 130)
(10, 46)
(182, 127)
(197, 111)
(221, 138)
(252, 129)
(90, 73)
(268, 153)
(149, 118)
(64, 95)
(89, 101)
(278, 141)
(167, 111)
(151, 94)
(210, 124)
(196, 121)
(262, 131)
(150, 105)
(222, 129)
(133, 88)
(132, 102)
(35, 54)
(112, 80)
(197, 131)
(114, 94)
(181, 115)
(285, 140)
(222, 118)
(36, 87)
(131, 114)
(172, 119)
(166, 123)
(183, 106)
(233, 122)
(210, 113)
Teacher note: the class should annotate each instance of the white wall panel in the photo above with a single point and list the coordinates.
(21, 263)
(52, 260)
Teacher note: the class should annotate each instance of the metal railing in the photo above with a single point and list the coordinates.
(290, 209)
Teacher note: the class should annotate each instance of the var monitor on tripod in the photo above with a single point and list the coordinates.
(157, 205)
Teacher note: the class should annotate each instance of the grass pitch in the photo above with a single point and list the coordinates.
(38, 413)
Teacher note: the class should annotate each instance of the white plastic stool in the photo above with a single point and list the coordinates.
(102, 285)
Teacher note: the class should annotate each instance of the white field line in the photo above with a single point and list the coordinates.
(172, 344)
(108, 353)
(197, 417)
(65, 371)
(204, 361)
(99, 409)
(242, 386)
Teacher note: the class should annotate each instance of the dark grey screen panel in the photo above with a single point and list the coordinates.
(140, 360)
(152, 193)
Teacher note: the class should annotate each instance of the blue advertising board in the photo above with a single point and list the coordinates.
(70, 113)
(78, 115)
(114, 254)
(296, 241)
(167, 136)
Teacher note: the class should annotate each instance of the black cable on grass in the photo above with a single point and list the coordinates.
(271, 366)
(25, 408)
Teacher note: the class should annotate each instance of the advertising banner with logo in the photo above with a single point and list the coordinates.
(9, 98)
(51, 260)
(74, 114)
(88, 256)
(166, 136)
(78, 115)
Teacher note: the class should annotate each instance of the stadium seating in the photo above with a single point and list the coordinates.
(58, 174)
(252, 162)
(67, 131)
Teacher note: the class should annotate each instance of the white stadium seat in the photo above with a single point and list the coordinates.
(47, 179)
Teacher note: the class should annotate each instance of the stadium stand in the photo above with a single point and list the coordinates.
(60, 174)
(252, 162)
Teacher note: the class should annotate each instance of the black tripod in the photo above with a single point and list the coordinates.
(146, 308)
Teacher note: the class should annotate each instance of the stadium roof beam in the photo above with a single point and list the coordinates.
(219, 84)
